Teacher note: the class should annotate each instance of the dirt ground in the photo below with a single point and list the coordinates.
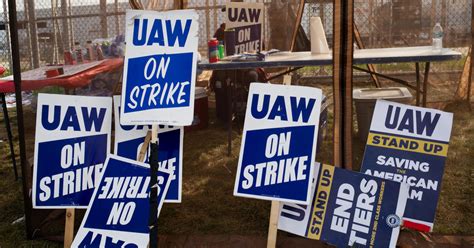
(209, 208)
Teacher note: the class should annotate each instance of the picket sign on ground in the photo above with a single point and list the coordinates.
(71, 144)
(410, 144)
(247, 21)
(119, 210)
(129, 140)
(348, 209)
(278, 143)
(160, 67)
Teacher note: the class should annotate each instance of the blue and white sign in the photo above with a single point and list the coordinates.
(71, 144)
(279, 143)
(160, 67)
(118, 213)
(129, 141)
(348, 209)
(410, 144)
(246, 19)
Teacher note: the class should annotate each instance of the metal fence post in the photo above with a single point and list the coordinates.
(33, 33)
(103, 18)
(65, 23)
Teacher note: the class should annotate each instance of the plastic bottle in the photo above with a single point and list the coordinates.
(437, 37)
(78, 52)
(221, 50)
(213, 52)
(90, 51)
(100, 53)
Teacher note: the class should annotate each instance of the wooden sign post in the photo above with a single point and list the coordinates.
(69, 228)
(273, 224)
(275, 209)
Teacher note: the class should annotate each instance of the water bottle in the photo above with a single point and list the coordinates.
(78, 53)
(437, 37)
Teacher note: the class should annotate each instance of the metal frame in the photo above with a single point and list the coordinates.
(9, 133)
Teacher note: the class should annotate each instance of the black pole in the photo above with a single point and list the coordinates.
(9, 133)
(19, 111)
(153, 217)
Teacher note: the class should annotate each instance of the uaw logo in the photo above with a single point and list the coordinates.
(393, 221)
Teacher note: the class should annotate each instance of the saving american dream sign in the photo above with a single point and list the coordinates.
(246, 19)
(410, 144)
(278, 143)
(348, 209)
(129, 140)
(160, 67)
(118, 213)
(71, 144)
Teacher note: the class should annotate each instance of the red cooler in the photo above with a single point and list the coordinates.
(201, 114)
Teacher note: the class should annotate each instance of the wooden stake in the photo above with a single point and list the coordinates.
(371, 67)
(273, 225)
(146, 143)
(299, 16)
(69, 228)
(154, 134)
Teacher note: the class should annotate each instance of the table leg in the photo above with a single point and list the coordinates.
(9, 133)
(230, 105)
(425, 83)
(418, 84)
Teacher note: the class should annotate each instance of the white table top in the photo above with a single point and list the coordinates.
(361, 56)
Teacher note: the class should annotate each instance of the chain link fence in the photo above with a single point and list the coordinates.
(400, 23)
(48, 27)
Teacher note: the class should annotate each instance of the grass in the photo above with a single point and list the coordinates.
(208, 205)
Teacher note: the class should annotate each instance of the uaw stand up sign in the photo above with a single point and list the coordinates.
(118, 211)
(278, 143)
(410, 144)
(129, 140)
(160, 67)
(71, 144)
(348, 209)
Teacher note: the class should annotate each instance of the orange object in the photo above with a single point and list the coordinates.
(213, 51)
(52, 73)
(75, 81)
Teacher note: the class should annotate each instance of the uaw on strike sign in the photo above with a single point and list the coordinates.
(410, 144)
(118, 212)
(348, 209)
(160, 67)
(71, 144)
(246, 19)
(278, 143)
(129, 140)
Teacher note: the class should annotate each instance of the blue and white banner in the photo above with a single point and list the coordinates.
(247, 21)
(71, 144)
(118, 213)
(348, 209)
(279, 143)
(410, 144)
(160, 67)
(129, 141)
